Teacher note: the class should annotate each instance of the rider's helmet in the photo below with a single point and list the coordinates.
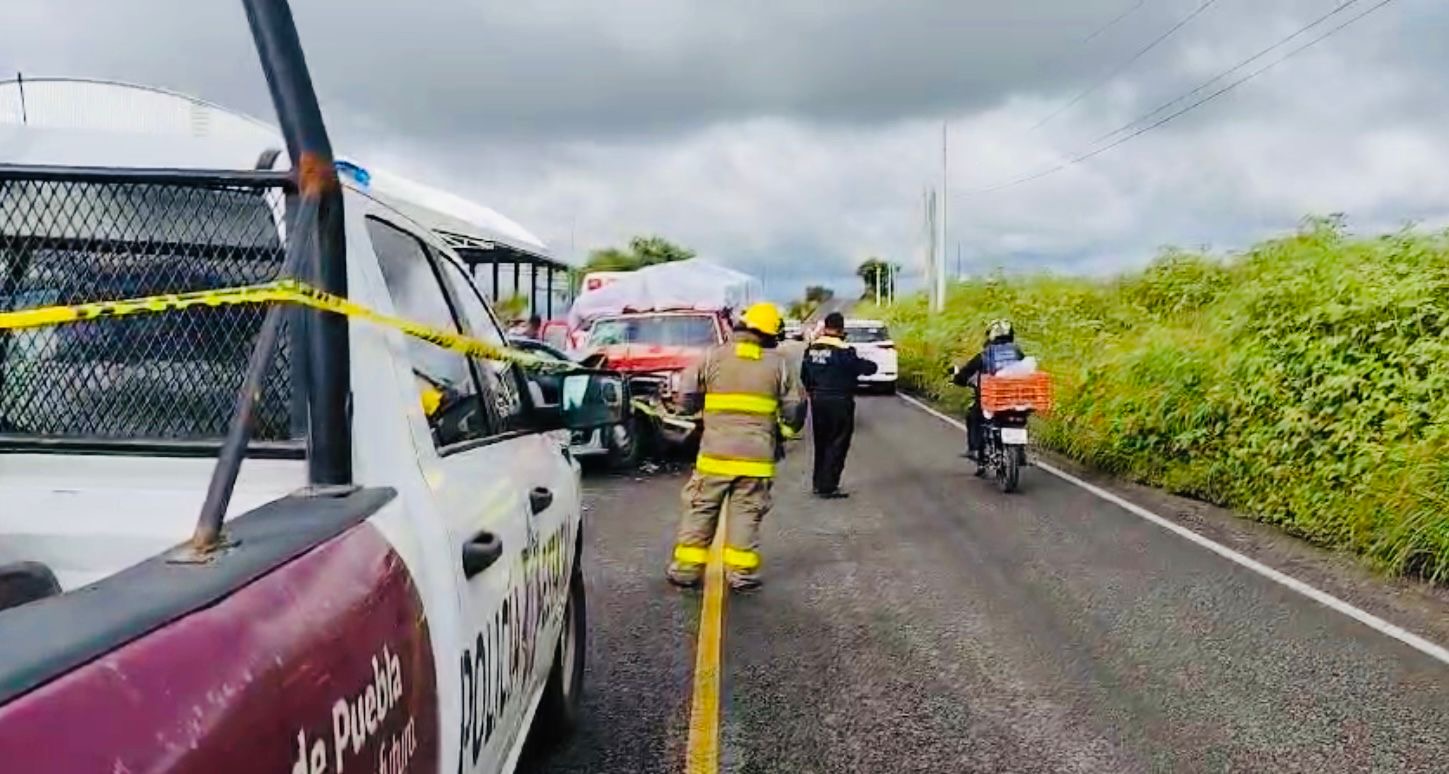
(999, 331)
(763, 318)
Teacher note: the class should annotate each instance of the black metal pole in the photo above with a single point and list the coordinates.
(495, 281)
(548, 299)
(329, 436)
(532, 289)
(20, 86)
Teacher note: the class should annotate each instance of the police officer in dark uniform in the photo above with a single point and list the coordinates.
(829, 372)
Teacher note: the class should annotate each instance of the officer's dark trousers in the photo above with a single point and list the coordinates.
(833, 419)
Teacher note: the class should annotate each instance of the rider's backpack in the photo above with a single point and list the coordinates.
(998, 356)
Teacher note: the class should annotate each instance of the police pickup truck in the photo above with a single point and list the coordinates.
(250, 524)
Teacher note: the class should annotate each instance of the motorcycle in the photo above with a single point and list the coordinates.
(1005, 437)
(1007, 403)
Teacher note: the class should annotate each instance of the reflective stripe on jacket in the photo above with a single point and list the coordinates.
(748, 390)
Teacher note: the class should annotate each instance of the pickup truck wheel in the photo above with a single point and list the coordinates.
(559, 710)
(624, 444)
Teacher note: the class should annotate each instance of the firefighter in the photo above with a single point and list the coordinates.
(830, 371)
(749, 396)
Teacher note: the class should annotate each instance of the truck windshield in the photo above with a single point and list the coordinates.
(663, 330)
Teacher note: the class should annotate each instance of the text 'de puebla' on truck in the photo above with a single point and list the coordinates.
(278, 496)
(651, 325)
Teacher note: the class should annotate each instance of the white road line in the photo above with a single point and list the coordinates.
(1414, 641)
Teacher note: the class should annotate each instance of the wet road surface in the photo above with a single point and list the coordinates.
(932, 624)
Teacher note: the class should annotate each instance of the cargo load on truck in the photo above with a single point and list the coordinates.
(695, 284)
(651, 325)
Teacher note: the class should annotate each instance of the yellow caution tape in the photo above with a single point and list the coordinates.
(663, 414)
(284, 291)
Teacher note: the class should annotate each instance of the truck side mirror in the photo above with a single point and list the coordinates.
(588, 400)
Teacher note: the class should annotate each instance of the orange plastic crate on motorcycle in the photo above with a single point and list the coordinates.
(1017, 393)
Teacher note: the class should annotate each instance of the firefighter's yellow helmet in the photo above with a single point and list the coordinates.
(763, 318)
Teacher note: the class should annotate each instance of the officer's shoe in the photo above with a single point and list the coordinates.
(835, 495)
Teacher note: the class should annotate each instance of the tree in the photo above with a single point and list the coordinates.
(511, 308)
(642, 251)
(815, 295)
(818, 294)
(612, 259)
(873, 271)
(652, 250)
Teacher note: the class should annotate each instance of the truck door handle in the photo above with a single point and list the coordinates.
(480, 553)
(539, 500)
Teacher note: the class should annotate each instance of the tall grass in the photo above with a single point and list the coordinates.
(1304, 382)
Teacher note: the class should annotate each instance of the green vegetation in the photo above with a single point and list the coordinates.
(815, 295)
(876, 272)
(1305, 382)
(642, 251)
(511, 308)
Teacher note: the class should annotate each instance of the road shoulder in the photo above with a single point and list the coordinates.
(1417, 606)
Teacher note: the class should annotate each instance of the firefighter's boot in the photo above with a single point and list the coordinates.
(703, 497)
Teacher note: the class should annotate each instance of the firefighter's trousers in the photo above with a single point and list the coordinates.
(704, 498)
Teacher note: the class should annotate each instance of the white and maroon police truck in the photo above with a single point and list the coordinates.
(268, 537)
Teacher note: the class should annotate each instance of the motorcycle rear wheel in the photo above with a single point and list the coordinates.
(1008, 469)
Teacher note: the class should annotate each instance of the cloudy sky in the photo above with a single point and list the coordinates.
(793, 139)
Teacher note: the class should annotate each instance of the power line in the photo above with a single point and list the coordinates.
(1083, 94)
(1113, 21)
(1204, 85)
(1172, 116)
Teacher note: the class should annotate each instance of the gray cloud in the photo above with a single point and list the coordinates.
(794, 139)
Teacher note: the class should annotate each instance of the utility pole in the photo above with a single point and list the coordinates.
(932, 256)
(938, 290)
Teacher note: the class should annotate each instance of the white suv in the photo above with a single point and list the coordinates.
(872, 341)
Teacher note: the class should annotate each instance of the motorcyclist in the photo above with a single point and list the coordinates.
(999, 351)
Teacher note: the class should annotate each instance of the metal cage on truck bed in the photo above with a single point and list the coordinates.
(167, 381)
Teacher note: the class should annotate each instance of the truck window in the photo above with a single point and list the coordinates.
(445, 383)
(664, 330)
(502, 385)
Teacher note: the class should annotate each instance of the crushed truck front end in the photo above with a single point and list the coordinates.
(653, 349)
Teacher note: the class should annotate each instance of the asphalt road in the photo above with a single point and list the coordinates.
(931, 623)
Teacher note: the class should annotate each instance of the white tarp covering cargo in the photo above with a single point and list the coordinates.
(693, 284)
